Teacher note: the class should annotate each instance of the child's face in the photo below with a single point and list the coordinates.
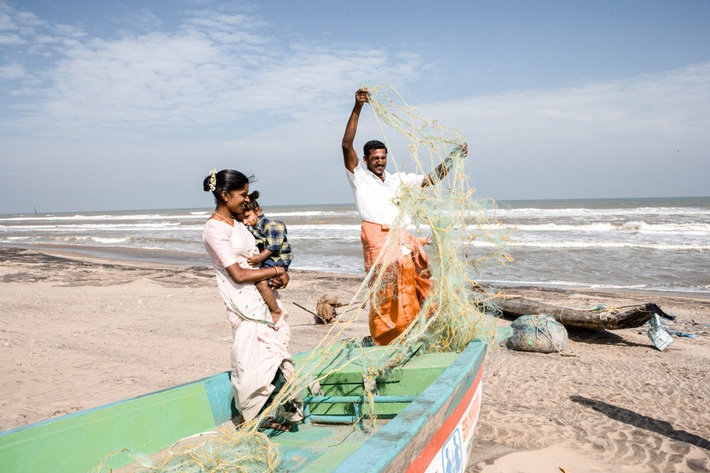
(248, 217)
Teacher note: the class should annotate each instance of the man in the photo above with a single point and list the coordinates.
(403, 267)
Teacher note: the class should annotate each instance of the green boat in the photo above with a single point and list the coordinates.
(425, 415)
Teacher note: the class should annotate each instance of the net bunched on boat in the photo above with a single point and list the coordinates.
(230, 450)
(463, 236)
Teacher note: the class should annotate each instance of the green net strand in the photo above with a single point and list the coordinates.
(463, 237)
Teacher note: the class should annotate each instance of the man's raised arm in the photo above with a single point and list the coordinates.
(349, 154)
(443, 169)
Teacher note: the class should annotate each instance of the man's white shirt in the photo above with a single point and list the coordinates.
(376, 199)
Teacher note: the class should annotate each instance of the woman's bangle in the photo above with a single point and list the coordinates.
(277, 271)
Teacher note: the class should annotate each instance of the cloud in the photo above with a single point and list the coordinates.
(11, 39)
(12, 71)
(671, 101)
(639, 136)
(131, 116)
(211, 70)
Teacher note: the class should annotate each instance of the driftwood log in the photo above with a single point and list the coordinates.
(604, 318)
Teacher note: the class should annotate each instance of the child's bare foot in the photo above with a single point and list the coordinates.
(275, 316)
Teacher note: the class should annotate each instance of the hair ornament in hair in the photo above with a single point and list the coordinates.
(213, 180)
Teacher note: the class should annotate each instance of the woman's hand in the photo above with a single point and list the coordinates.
(280, 282)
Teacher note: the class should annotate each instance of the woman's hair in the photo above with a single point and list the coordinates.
(226, 180)
(252, 204)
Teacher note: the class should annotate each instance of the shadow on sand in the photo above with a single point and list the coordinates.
(642, 422)
(601, 337)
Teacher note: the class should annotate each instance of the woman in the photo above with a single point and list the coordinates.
(260, 357)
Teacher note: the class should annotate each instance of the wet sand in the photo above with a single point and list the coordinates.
(77, 332)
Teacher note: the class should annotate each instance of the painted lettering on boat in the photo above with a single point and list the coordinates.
(468, 424)
(453, 455)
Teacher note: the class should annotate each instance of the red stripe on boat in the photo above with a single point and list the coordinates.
(424, 459)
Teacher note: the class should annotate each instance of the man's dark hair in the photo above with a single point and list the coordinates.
(373, 144)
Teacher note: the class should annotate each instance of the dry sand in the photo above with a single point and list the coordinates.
(78, 332)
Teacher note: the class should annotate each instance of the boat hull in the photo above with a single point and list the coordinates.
(432, 432)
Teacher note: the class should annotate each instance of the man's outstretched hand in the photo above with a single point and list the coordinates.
(464, 149)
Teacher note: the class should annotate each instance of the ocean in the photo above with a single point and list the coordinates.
(659, 244)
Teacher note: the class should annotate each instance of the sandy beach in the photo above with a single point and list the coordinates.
(78, 332)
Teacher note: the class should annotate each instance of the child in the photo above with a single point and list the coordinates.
(271, 236)
(275, 250)
(267, 293)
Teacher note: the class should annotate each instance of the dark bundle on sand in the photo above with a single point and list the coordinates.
(325, 309)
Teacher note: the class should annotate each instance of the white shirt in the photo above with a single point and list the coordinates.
(376, 199)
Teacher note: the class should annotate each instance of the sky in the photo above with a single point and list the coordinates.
(127, 105)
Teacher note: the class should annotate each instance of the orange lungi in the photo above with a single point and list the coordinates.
(405, 280)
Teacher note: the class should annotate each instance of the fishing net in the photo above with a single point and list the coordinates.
(537, 332)
(463, 236)
(243, 450)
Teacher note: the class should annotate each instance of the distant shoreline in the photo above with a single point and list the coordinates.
(655, 245)
(117, 253)
(138, 257)
(268, 205)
